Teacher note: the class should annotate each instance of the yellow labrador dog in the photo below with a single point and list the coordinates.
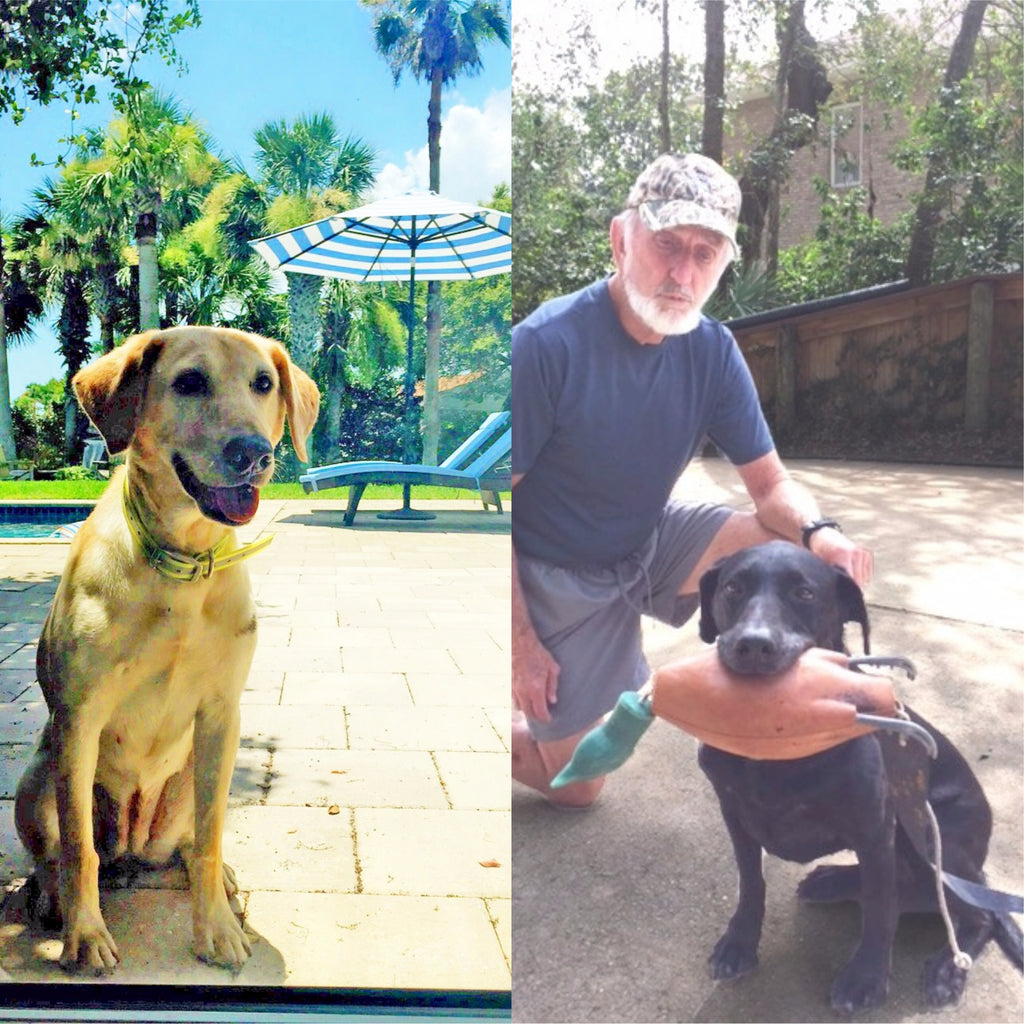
(147, 646)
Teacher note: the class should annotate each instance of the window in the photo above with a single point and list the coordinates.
(846, 145)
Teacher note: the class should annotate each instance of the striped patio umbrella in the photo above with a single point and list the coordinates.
(418, 236)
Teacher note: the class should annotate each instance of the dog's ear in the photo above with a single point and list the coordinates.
(112, 388)
(851, 605)
(301, 399)
(708, 586)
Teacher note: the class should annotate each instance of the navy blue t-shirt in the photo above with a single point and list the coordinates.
(602, 426)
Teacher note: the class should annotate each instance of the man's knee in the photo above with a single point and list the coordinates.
(741, 530)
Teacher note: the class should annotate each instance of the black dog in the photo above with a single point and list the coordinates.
(766, 606)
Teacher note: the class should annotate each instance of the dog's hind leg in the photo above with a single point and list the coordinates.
(830, 883)
(35, 818)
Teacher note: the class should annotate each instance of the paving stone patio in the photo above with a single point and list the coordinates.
(369, 817)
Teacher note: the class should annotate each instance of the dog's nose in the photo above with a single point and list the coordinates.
(756, 651)
(248, 456)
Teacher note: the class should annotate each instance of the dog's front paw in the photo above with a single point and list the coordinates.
(857, 988)
(88, 945)
(944, 982)
(221, 940)
(732, 957)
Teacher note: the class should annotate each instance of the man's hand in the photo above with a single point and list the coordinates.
(534, 677)
(837, 549)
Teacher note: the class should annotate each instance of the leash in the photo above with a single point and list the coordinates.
(176, 565)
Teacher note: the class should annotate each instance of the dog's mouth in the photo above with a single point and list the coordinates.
(232, 506)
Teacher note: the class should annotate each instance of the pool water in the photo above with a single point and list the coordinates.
(24, 521)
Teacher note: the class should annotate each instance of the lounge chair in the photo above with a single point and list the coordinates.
(473, 465)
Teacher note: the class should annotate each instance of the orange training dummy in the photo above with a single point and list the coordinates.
(819, 702)
(808, 708)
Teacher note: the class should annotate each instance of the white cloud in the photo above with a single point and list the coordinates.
(476, 154)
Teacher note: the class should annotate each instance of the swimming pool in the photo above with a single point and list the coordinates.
(35, 520)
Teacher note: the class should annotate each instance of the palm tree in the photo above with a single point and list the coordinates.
(56, 257)
(307, 171)
(150, 169)
(20, 305)
(436, 40)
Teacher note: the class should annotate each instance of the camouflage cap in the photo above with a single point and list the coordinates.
(684, 191)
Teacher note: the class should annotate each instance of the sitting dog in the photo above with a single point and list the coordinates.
(766, 606)
(145, 652)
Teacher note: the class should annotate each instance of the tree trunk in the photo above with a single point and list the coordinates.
(304, 319)
(664, 115)
(432, 362)
(714, 79)
(149, 287)
(928, 214)
(6, 425)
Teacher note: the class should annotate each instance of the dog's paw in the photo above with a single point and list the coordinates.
(830, 883)
(88, 946)
(732, 958)
(221, 940)
(944, 982)
(857, 989)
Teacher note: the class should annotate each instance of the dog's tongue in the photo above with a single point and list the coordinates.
(237, 504)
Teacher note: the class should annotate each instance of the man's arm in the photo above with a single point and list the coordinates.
(785, 507)
(534, 671)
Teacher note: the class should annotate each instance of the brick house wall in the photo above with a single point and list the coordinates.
(892, 189)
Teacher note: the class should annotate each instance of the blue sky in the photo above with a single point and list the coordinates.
(252, 61)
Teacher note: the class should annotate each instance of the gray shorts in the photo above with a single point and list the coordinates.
(589, 619)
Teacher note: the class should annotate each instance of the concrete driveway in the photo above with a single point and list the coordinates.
(616, 909)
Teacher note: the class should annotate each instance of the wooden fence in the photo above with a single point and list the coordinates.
(938, 358)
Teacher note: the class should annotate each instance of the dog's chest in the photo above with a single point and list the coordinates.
(801, 810)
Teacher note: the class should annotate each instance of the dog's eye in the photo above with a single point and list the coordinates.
(804, 594)
(731, 588)
(190, 383)
(263, 384)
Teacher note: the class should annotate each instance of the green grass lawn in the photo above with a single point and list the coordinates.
(90, 490)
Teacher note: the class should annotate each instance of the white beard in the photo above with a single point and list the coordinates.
(659, 320)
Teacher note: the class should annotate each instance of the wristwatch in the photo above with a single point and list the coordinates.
(808, 530)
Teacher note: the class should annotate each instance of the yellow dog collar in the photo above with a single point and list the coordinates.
(176, 565)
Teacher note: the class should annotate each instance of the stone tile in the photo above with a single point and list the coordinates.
(249, 781)
(14, 759)
(476, 780)
(19, 632)
(300, 659)
(368, 659)
(15, 861)
(296, 727)
(459, 690)
(15, 654)
(421, 728)
(501, 917)
(375, 942)
(501, 719)
(15, 681)
(474, 660)
(263, 686)
(348, 688)
(355, 778)
(293, 849)
(21, 721)
(434, 853)
(339, 636)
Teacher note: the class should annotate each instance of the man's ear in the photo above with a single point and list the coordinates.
(112, 388)
(301, 399)
(708, 586)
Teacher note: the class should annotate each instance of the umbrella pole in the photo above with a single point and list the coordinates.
(407, 512)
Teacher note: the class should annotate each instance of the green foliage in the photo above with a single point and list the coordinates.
(372, 424)
(57, 49)
(38, 416)
(574, 164)
(850, 251)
